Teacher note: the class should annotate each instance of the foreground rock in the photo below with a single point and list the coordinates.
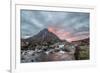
(60, 56)
(44, 55)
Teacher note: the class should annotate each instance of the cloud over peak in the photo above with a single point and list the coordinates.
(66, 25)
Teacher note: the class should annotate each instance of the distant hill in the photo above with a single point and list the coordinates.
(82, 41)
(43, 37)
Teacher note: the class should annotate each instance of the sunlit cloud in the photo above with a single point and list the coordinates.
(66, 25)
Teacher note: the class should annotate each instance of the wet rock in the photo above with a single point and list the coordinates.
(60, 56)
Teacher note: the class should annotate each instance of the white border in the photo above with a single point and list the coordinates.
(15, 60)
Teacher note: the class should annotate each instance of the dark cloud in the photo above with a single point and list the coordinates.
(32, 21)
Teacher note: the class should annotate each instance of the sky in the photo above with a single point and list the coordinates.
(68, 26)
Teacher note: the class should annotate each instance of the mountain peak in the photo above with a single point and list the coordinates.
(45, 35)
(45, 29)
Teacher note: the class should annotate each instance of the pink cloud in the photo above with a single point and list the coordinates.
(65, 35)
(60, 33)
